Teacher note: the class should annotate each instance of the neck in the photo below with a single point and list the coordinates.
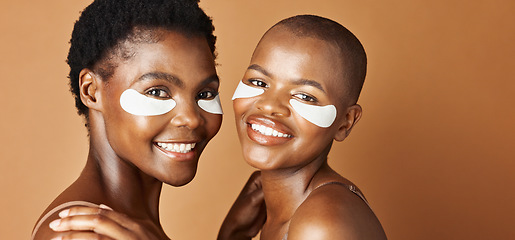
(117, 183)
(285, 189)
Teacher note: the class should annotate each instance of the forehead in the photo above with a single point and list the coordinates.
(187, 57)
(290, 56)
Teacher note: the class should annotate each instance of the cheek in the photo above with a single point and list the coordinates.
(142, 129)
(130, 136)
(313, 139)
(241, 106)
(213, 123)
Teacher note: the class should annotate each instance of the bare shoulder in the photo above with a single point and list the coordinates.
(334, 212)
(72, 196)
(42, 229)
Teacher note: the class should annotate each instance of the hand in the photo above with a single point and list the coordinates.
(100, 223)
(248, 213)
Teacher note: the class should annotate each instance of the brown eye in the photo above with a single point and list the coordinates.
(305, 97)
(158, 93)
(258, 83)
(206, 95)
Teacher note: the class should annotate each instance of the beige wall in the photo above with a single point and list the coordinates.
(434, 152)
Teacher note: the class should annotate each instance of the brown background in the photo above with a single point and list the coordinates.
(434, 152)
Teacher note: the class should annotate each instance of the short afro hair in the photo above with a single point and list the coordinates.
(105, 24)
(351, 50)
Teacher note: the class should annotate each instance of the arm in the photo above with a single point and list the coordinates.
(101, 223)
(244, 220)
(248, 213)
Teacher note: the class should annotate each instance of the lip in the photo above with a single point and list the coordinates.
(178, 156)
(271, 123)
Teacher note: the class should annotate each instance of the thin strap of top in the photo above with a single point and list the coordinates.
(58, 208)
(352, 188)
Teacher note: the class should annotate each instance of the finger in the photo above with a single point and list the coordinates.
(79, 210)
(256, 199)
(97, 223)
(258, 222)
(81, 236)
(121, 219)
(254, 183)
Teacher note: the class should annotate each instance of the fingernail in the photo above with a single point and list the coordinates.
(57, 238)
(105, 207)
(64, 213)
(54, 224)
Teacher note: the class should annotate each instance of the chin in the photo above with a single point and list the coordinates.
(260, 157)
(260, 164)
(180, 182)
(180, 179)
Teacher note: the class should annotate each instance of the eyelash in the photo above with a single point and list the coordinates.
(302, 96)
(158, 93)
(305, 97)
(211, 95)
(258, 83)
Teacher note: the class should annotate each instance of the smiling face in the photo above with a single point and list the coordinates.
(165, 145)
(301, 80)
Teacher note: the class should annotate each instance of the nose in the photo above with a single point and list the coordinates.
(187, 115)
(273, 104)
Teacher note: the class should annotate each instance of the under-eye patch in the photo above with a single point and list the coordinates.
(245, 91)
(136, 103)
(322, 116)
(211, 106)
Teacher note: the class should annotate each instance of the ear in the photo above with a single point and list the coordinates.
(352, 117)
(89, 85)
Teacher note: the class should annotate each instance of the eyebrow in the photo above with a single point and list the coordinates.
(212, 78)
(164, 76)
(309, 82)
(175, 80)
(301, 81)
(259, 69)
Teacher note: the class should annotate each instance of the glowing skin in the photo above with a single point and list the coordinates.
(322, 116)
(245, 91)
(138, 104)
(211, 106)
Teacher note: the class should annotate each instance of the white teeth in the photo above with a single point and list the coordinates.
(177, 147)
(275, 133)
(268, 131)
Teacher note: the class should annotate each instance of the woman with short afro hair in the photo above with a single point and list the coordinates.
(143, 75)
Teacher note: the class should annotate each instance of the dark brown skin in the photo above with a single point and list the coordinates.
(125, 168)
(247, 214)
(291, 168)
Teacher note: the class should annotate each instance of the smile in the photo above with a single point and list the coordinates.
(177, 147)
(268, 131)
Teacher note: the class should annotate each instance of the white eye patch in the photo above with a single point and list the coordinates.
(136, 103)
(245, 91)
(322, 116)
(211, 106)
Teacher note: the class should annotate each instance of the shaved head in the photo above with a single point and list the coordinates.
(352, 52)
